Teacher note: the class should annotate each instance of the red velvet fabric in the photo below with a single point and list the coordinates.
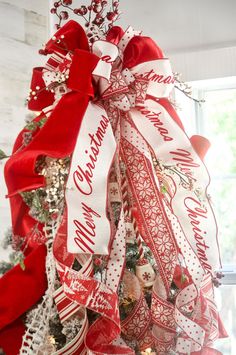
(22, 222)
(44, 98)
(11, 337)
(58, 136)
(74, 37)
(20, 290)
(115, 34)
(139, 50)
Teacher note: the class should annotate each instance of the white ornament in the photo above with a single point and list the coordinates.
(145, 274)
(114, 192)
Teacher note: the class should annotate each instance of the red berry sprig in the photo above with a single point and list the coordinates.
(96, 13)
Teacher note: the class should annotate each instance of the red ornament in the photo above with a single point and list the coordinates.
(97, 8)
(104, 4)
(83, 10)
(56, 4)
(111, 16)
(97, 261)
(98, 20)
(64, 15)
(53, 10)
(43, 52)
(67, 2)
(181, 277)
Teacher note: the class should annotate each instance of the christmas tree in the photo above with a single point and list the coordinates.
(114, 237)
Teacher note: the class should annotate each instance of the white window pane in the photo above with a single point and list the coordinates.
(226, 301)
(223, 192)
(219, 126)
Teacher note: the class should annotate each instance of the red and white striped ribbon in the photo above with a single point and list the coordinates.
(76, 346)
(54, 61)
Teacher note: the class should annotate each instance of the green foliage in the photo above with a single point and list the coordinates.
(4, 267)
(7, 240)
(2, 155)
(33, 125)
(19, 259)
(35, 199)
(132, 256)
(42, 122)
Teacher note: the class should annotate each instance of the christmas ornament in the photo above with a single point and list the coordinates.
(145, 273)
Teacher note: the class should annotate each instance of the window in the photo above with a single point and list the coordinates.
(216, 120)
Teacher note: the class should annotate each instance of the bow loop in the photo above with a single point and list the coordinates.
(158, 74)
(71, 73)
(107, 52)
(125, 39)
(81, 69)
(68, 38)
(125, 90)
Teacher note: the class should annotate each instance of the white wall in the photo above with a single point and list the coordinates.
(199, 36)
